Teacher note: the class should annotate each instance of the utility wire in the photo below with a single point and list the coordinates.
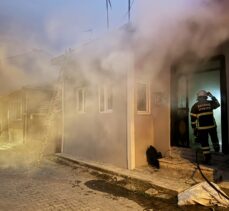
(130, 5)
(108, 5)
(129, 10)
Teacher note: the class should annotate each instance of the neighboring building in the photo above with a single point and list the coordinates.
(112, 114)
(24, 114)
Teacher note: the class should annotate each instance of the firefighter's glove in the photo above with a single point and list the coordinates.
(210, 94)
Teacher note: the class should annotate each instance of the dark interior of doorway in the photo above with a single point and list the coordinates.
(180, 108)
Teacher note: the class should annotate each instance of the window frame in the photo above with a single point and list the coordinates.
(106, 96)
(81, 111)
(147, 99)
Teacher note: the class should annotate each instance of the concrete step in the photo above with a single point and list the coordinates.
(183, 161)
(190, 154)
(188, 169)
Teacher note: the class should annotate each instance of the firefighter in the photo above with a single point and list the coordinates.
(203, 123)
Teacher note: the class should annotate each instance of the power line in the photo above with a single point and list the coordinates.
(108, 5)
(129, 10)
(130, 5)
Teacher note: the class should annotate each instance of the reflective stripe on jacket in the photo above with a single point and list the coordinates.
(202, 114)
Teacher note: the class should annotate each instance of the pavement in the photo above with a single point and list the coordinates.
(51, 186)
(30, 183)
(174, 178)
(147, 174)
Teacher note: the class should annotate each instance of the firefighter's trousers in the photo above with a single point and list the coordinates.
(203, 139)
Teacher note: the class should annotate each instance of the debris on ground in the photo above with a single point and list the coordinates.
(203, 194)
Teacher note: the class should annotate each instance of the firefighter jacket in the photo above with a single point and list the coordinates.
(202, 114)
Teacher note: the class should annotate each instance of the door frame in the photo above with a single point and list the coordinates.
(223, 93)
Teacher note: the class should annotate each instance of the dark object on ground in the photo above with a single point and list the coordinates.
(152, 156)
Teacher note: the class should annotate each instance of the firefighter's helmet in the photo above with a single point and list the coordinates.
(202, 93)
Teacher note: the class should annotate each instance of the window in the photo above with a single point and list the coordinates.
(143, 98)
(109, 96)
(15, 110)
(105, 99)
(80, 97)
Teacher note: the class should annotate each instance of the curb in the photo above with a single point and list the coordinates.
(131, 182)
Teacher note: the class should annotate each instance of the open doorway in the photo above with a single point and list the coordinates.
(186, 82)
(209, 81)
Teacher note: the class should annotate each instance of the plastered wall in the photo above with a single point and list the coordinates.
(153, 128)
(92, 135)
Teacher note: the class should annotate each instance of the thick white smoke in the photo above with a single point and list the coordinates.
(167, 31)
(161, 33)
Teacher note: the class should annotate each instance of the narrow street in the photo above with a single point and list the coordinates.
(52, 186)
(55, 186)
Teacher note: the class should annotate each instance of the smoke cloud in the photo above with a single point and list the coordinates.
(168, 31)
(161, 33)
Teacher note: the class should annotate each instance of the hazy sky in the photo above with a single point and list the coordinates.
(165, 30)
(55, 25)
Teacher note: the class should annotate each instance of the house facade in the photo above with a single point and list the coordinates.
(111, 114)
